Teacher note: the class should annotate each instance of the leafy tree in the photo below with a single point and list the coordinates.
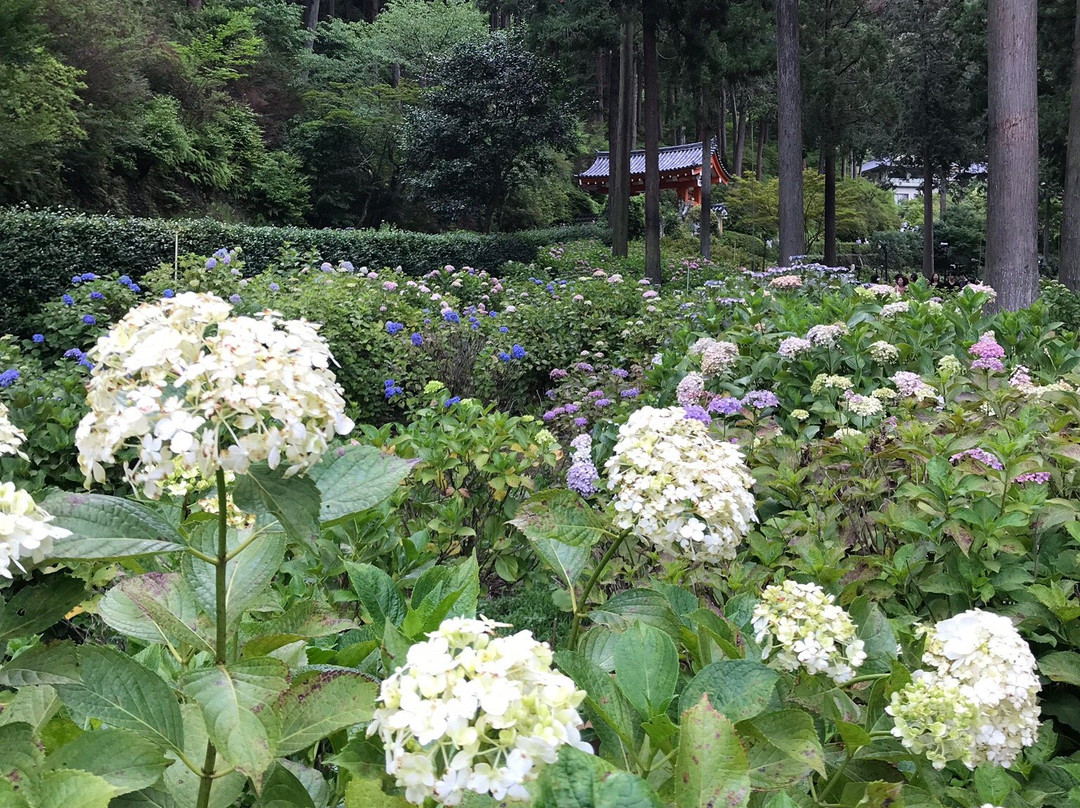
(485, 130)
(415, 35)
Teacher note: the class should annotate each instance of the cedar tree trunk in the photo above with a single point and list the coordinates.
(789, 115)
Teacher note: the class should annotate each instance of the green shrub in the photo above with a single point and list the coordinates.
(41, 250)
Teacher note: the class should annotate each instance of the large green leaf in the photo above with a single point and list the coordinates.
(146, 798)
(368, 793)
(55, 664)
(877, 635)
(356, 478)
(109, 527)
(246, 576)
(237, 702)
(565, 517)
(1061, 666)
(155, 607)
(293, 500)
(67, 788)
(182, 785)
(565, 560)
(379, 595)
(580, 780)
(121, 693)
(608, 711)
(34, 705)
(18, 750)
(123, 759)
(318, 704)
(738, 688)
(34, 608)
(711, 768)
(646, 668)
(638, 605)
(442, 592)
(792, 732)
(283, 790)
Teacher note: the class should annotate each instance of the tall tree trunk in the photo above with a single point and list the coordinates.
(1070, 215)
(763, 135)
(635, 108)
(740, 141)
(829, 151)
(721, 129)
(311, 22)
(928, 215)
(789, 115)
(1012, 195)
(652, 142)
(705, 212)
(619, 162)
(943, 200)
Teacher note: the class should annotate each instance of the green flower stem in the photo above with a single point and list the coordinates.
(575, 626)
(867, 677)
(825, 789)
(206, 780)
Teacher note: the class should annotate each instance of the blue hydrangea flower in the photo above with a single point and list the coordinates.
(391, 388)
(274, 287)
(124, 280)
(503, 329)
(89, 276)
(347, 266)
(135, 288)
(504, 356)
(168, 293)
(630, 392)
(326, 267)
(73, 353)
(38, 338)
(76, 279)
(86, 363)
(9, 377)
(451, 316)
(517, 352)
(450, 402)
(89, 319)
(417, 339)
(97, 296)
(211, 263)
(235, 298)
(222, 254)
(68, 300)
(394, 328)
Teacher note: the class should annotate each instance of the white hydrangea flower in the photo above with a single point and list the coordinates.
(24, 529)
(191, 387)
(470, 711)
(823, 381)
(892, 309)
(793, 346)
(884, 352)
(996, 671)
(678, 488)
(716, 356)
(826, 335)
(809, 631)
(873, 290)
(949, 366)
(863, 406)
(11, 437)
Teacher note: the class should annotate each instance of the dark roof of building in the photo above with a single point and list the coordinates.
(672, 158)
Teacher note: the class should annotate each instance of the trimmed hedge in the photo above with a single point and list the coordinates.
(41, 250)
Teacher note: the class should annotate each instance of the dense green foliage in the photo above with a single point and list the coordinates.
(40, 251)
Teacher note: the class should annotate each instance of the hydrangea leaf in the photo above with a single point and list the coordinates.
(607, 709)
(34, 608)
(118, 691)
(368, 793)
(155, 607)
(711, 768)
(54, 664)
(646, 668)
(123, 759)
(18, 750)
(282, 789)
(581, 780)
(790, 731)
(237, 702)
(565, 560)
(69, 788)
(378, 593)
(105, 527)
(738, 688)
(294, 501)
(565, 517)
(182, 785)
(318, 704)
(638, 605)
(1061, 666)
(355, 479)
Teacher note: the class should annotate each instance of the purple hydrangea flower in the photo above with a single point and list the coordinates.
(725, 405)
(1037, 477)
(980, 455)
(600, 403)
(581, 422)
(73, 353)
(211, 263)
(620, 373)
(274, 287)
(630, 392)
(697, 413)
(760, 399)
(235, 298)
